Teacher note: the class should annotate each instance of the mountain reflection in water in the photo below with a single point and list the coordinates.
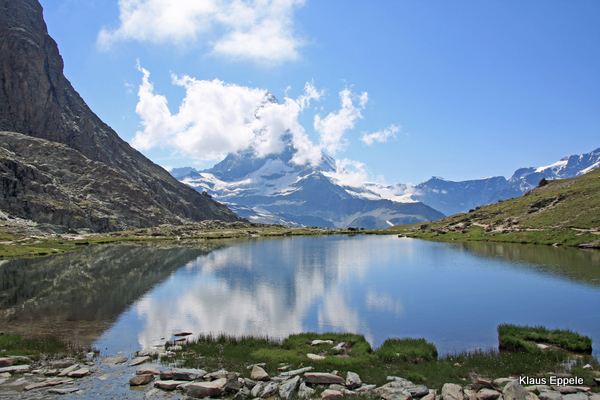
(453, 294)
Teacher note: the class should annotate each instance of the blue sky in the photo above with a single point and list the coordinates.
(398, 91)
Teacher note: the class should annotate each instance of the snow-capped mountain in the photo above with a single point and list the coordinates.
(272, 189)
(454, 197)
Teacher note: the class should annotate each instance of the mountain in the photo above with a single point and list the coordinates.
(59, 162)
(563, 211)
(275, 190)
(452, 197)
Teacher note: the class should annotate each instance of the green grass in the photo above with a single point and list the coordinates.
(414, 359)
(523, 338)
(35, 347)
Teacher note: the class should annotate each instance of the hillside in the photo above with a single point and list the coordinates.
(37, 101)
(564, 211)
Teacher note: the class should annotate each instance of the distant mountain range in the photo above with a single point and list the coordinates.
(272, 189)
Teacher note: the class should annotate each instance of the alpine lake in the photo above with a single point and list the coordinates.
(127, 297)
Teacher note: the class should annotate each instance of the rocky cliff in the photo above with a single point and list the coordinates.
(36, 100)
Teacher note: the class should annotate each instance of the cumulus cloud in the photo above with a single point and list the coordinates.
(258, 30)
(216, 118)
(335, 124)
(380, 136)
(349, 173)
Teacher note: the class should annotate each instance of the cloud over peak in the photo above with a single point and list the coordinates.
(258, 30)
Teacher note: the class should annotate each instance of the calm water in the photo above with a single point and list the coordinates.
(125, 298)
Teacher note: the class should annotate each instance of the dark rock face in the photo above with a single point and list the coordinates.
(38, 101)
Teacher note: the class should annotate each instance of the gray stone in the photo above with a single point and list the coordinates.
(539, 388)
(487, 394)
(305, 392)
(417, 390)
(514, 391)
(452, 391)
(365, 388)
(321, 378)
(169, 384)
(51, 372)
(532, 396)
(79, 373)
(36, 385)
(429, 396)
(296, 371)
(594, 396)
(353, 380)
(61, 364)
(114, 360)
(16, 369)
(150, 352)
(140, 380)
(138, 360)
(503, 381)
(259, 374)
(571, 389)
(287, 388)
(257, 389)
(337, 386)
(470, 394)
(187, 374)
(315, 356)
(481, 383)
(576, 396)
(550, 395)
(318, 342)
(269, 390)
(329, 394)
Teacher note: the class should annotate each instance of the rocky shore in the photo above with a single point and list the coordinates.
(141, 378)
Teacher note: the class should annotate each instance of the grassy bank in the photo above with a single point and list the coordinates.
(414, 359)
(14, 245)
(564, 212)
(37, 347)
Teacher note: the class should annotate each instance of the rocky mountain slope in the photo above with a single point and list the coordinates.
(98, 181)
(563, 211)
(272, 189)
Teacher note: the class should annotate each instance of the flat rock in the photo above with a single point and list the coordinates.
(571, 389)
(259, 374)
(138, 360)
(63, 390)
(269, 390)
(68, 370)
(61, 364)
(51, 372)
(187, 374)
(514, 391)
(140, 380)
(296, 371)
(150, 352)
(36, 385)
(539, 388)
(504, 381)
(353, 380)
(329, 394)
(182, 334)
(147, 370)
(169, 385)
(166, 376)
(79, 373)
(575, 396)
(317, 342)
(365, 388)
(305, 392)
(417, 390)
(322, 378)
(200, 390)
(16, 369)
(114, 360)
(452, 391)
(315, 356)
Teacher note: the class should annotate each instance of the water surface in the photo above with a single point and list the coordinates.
(124, 297)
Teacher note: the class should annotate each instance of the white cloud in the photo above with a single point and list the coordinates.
(380, 136)
(217, 118)
(258, 30)
(349, 173)
(335, 124)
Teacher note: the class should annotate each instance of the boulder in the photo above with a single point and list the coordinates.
(576, 396)
(287, 388)
(269, 390)
(550, 395)
(417, 390)
(233, 385)
(200, 390)
(147, 370)
(6, 362)
(140, 380)
(353, 380)
(166, 376)
(452, 391)
(322, 378)
(259, 374)
(514, 391)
